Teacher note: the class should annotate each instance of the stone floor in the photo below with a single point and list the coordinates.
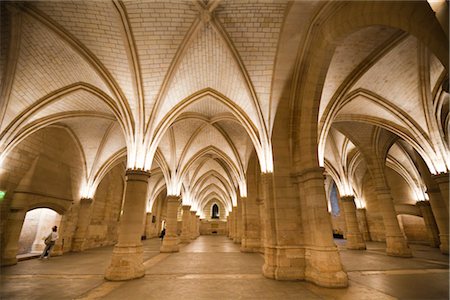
(212, 267)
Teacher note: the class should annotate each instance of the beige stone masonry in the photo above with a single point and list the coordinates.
(362, 221)
(171, 239)
(192, 225)
(185, 231)
(84, 218)
(127, 258)
(323, 264)
(354, 237)
(430, 223)
(443, 181)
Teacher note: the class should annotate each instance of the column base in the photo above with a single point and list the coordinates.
(323, 267)
(9, 261)
(250, 245)
(284, 263)
(444, 243)
(397, 246)
(126, 263)
(170, 244)
(185, 239)
(355, 243)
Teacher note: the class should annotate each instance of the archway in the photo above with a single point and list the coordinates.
(36, 226)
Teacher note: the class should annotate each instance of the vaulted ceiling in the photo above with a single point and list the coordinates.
(196, 84)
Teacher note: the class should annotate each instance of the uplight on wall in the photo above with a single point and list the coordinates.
(2, 195)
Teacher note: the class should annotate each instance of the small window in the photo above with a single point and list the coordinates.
(215, 212)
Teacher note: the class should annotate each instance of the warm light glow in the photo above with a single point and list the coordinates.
(87, 191)
(360, 203)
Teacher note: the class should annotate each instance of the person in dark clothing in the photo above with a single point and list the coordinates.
(163, 233)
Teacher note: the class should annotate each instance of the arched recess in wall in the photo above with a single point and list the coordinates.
(43, 171)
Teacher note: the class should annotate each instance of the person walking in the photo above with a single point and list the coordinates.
(50, 241)
(163, 233)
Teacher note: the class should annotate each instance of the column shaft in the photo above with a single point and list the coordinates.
(84, 218)
(171, 240)
(362, 221)
(127, 257)
(430, 223)
(10, 248)
(323, 266)
(355, 240)
(185, 231)
(441, 216)
(443, 182)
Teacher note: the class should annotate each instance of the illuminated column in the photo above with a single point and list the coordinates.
(251, 235)
(362, 221)
(238, 223)
(323, 263)
(231, 215)
(443, 181)
(127, 257)
(262, 234)
(148, 230)
(84, 218)
(185, 232)
(430, 223)
(228, 225)
(198, 226)
(171, 240)
(441, 216)
(355, 240)
(10, 246)
(192, 222)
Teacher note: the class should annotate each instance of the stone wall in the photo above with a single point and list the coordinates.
(414, 228)
(107, 204)
(213, 227)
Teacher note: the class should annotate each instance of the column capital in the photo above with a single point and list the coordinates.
(423, 203)
(86, 201)
(441, 177)
(171, 198)
(316, 173)
(348, 198)
(186, 207)
(137, 175)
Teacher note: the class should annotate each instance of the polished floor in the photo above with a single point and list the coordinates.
(212, 267)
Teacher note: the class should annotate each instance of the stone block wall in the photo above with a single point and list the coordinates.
(213, 227)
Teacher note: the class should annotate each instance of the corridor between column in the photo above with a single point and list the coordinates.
(212, 267)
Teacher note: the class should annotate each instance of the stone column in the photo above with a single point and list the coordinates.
(127, 257)
(14, 225)
(84, 219)
(148, 231)
(443, 181)
(171, 240)
(185, 232)
(192, 222)
(232, 229)
(238, 223)
(323, 263)
(362, 221)
(355, 240)
(396, 244)
(228, 225)
(262, 234)
(251, 235)
(430, 223)
(197, 226)
(441, 216)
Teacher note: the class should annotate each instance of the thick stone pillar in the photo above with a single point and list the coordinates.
(430, 223)
(441, 216)
(192, 222)
(262, 231)
(228, 226)
(238, 223)
(396, 244)
(14, 225)
(355, 240)
(363, 226)
(148, 232)
(185, 231)
(84, 219)
(171, 240)
(250, 236)
(232, 228)
(443, 181)
(323, 263)
(127, 257)
(197, 228)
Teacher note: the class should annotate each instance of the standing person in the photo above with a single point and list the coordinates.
(50, 241)
(163, 233)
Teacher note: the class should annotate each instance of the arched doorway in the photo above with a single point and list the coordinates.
(36, 226)
(215, 211)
